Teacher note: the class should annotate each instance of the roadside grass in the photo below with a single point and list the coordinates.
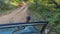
(4, 12)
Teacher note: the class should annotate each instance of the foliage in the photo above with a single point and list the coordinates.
(6, 5)
(49, 10)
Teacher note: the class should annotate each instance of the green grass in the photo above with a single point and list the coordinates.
(4, 12)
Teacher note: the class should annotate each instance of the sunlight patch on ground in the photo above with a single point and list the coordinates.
(32, 1)
(15, 3)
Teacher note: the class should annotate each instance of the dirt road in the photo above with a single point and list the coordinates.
(17, 15)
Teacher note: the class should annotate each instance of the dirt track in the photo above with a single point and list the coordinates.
(17, 15)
